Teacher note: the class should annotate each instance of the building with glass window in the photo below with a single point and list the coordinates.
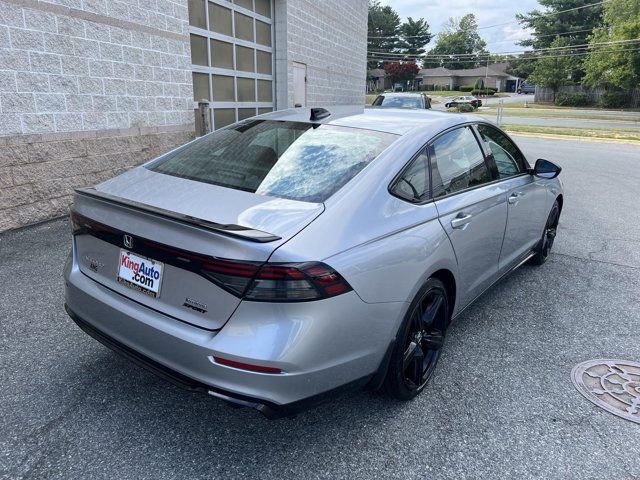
(251, 56)
(90, 88)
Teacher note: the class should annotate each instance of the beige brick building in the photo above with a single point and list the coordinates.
(89, 88)
(494, 75)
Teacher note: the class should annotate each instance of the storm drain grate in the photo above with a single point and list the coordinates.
(611, 384)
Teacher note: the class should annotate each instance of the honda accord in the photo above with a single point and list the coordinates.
(301, 253)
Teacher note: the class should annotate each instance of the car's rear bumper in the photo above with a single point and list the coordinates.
(337, 343)
(269, 409)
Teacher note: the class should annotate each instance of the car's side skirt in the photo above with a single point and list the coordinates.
(516, 264)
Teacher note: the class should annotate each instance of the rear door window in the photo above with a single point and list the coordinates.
(294, 160)
(413, 182)
(457, 163)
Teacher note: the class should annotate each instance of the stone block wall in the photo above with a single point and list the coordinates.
(98, 65)
(39, 172)
(330, 37)
(79, 78)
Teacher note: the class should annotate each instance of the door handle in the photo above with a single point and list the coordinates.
(461, 220)
(514, 197)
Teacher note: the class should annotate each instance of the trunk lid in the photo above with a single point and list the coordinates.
(177, 221)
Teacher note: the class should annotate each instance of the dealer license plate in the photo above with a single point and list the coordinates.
(140, 273)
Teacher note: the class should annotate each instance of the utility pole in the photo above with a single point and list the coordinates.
(499, 112)
(486, 74)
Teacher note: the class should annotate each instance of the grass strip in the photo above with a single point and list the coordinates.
(618, 134)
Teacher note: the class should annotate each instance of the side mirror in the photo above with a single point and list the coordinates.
(546, 169)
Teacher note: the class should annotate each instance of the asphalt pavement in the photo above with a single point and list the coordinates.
(501, 404)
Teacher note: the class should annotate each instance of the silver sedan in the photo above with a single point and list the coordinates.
(305, 252)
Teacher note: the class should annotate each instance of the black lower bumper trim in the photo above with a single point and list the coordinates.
(268, 409)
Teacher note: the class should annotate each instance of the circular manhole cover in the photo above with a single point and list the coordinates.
(611, 384)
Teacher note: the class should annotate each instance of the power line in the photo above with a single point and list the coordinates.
(514, 52)
(543, 36)
(550, 14)
(534, 52)
(562, 33)
(572, 54)
(584, 30)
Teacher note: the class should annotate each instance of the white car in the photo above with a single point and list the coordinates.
(468, 99)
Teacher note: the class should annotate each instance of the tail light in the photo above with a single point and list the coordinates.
(256, 281)
(81, 224)
(295, 282)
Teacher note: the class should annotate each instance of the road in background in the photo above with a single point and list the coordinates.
(500, 405)
(507, 118)
(553, 117)
(510, 98)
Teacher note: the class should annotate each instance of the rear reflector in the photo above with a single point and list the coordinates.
(246, 366)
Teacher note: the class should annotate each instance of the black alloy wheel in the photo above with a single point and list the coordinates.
(419, 342)
(548, 236)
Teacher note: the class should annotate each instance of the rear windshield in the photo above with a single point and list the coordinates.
(293, 160)
(402, 102)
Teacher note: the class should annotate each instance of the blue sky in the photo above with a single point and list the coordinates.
(499, 39)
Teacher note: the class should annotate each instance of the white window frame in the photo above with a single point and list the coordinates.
(235, 74)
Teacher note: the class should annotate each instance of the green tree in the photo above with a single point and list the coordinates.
(522, 65)
(615, 65)
(414, 36)
(382, 34)
(575, 26)
(553, 69)
(459, 37)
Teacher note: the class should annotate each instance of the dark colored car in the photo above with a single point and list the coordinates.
(526, 88)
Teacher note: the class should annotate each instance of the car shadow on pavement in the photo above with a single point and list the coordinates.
(131, 407)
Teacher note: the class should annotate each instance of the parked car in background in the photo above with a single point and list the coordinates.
(277, 261)
(462, 100)
(526, 88)
(402, 100)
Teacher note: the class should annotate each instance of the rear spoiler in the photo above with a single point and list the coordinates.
(238, 231)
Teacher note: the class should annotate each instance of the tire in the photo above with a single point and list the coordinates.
(418, 342)
(548, 236)
(519, 92)
(447, 105)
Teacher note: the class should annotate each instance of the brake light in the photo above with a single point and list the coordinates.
(81, 224)
(256, 281)
(276, 282)
(296, 282)
(234, 277)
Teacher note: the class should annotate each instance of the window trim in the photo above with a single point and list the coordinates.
(234, 73)
(473, 125)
